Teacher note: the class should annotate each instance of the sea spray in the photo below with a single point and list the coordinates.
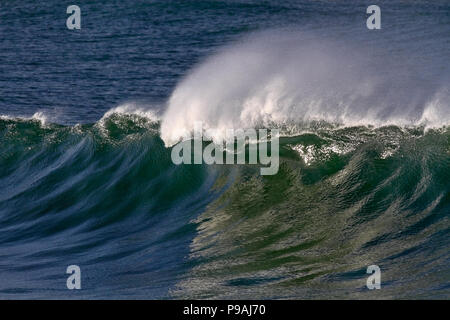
(280, 78)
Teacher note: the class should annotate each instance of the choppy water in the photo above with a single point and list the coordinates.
(88, 118)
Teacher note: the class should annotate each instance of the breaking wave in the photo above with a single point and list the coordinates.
(284, 79)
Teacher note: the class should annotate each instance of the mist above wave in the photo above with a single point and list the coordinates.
(274, 78)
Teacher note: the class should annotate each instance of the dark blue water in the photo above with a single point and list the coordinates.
(100, 191)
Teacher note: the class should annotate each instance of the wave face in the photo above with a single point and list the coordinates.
(108, 198)
(342, 200)
(281, 78)
(104, 196)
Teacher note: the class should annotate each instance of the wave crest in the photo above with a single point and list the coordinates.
(280, 78)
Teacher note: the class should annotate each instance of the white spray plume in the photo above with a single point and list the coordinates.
(278, 78)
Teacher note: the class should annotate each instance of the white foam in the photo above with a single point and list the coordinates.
(37, 116)
(41, 117)
(5, 117)
(279, 78)
(133, 108)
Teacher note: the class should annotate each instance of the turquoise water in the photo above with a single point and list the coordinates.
(89, 117)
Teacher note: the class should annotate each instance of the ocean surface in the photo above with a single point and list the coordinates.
(88, 119)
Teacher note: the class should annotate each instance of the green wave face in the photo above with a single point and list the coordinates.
(342, 200)
(108, 197)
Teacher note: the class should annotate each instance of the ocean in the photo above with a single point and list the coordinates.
(89, 117)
